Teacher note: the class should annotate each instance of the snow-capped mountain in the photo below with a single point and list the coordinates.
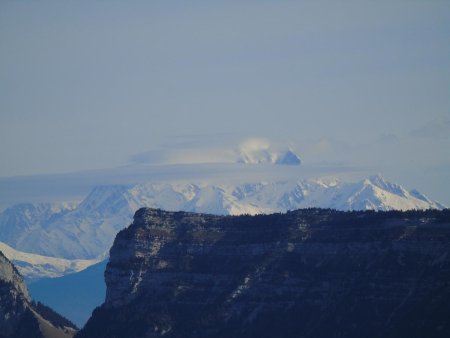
(83, 232)
(289, 158)
(33, 266)
(257, 151)
(88, 230)
(266, 156)
(29, 217)
(373, 193)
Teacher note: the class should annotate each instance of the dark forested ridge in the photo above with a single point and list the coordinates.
(305, 273)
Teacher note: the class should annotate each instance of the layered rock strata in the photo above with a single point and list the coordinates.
(306, 273)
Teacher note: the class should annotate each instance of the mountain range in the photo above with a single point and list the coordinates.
(86, 230)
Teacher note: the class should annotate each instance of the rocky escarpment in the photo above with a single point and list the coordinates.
(307, 273)
(19, 316)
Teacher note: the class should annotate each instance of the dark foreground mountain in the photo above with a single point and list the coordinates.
(22, 318)
(306, 273)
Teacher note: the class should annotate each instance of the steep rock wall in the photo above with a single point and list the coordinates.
(307, 273)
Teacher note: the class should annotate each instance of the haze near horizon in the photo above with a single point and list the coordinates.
(92, 84)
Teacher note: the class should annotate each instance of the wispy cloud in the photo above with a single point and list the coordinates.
(387, 139)
(254, 144)
(210, 150)
(436, 129)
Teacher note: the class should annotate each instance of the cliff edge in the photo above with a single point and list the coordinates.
(306, 273)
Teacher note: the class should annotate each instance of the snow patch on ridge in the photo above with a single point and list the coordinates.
(33, 266)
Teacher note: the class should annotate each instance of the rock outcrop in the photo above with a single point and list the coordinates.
(306, 273)
(19, 316)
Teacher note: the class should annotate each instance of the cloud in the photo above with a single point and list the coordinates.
(184, 155)
(436, 129)
(254, 144)
(152, 156)
(387, 139)
(203, 150)
(322, 146)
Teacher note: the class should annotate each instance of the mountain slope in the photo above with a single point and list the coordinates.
(83, 232)
(24, 218)
(19, 317)
(307, 273)
(33, 266)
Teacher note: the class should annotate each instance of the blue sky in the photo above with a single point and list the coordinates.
(88, 84)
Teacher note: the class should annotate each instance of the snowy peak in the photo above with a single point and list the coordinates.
(255, 151)
(105, 199)
(375, 193)
(258, 151)
(380, 182)
(289, 158)
(84, 232)
(28, 214)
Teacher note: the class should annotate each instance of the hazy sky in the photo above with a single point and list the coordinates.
(88, 84)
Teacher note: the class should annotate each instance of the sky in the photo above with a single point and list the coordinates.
(94, 84)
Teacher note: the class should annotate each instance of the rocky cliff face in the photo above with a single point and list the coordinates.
(19, 317)
(307, 273)
(13, 297)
